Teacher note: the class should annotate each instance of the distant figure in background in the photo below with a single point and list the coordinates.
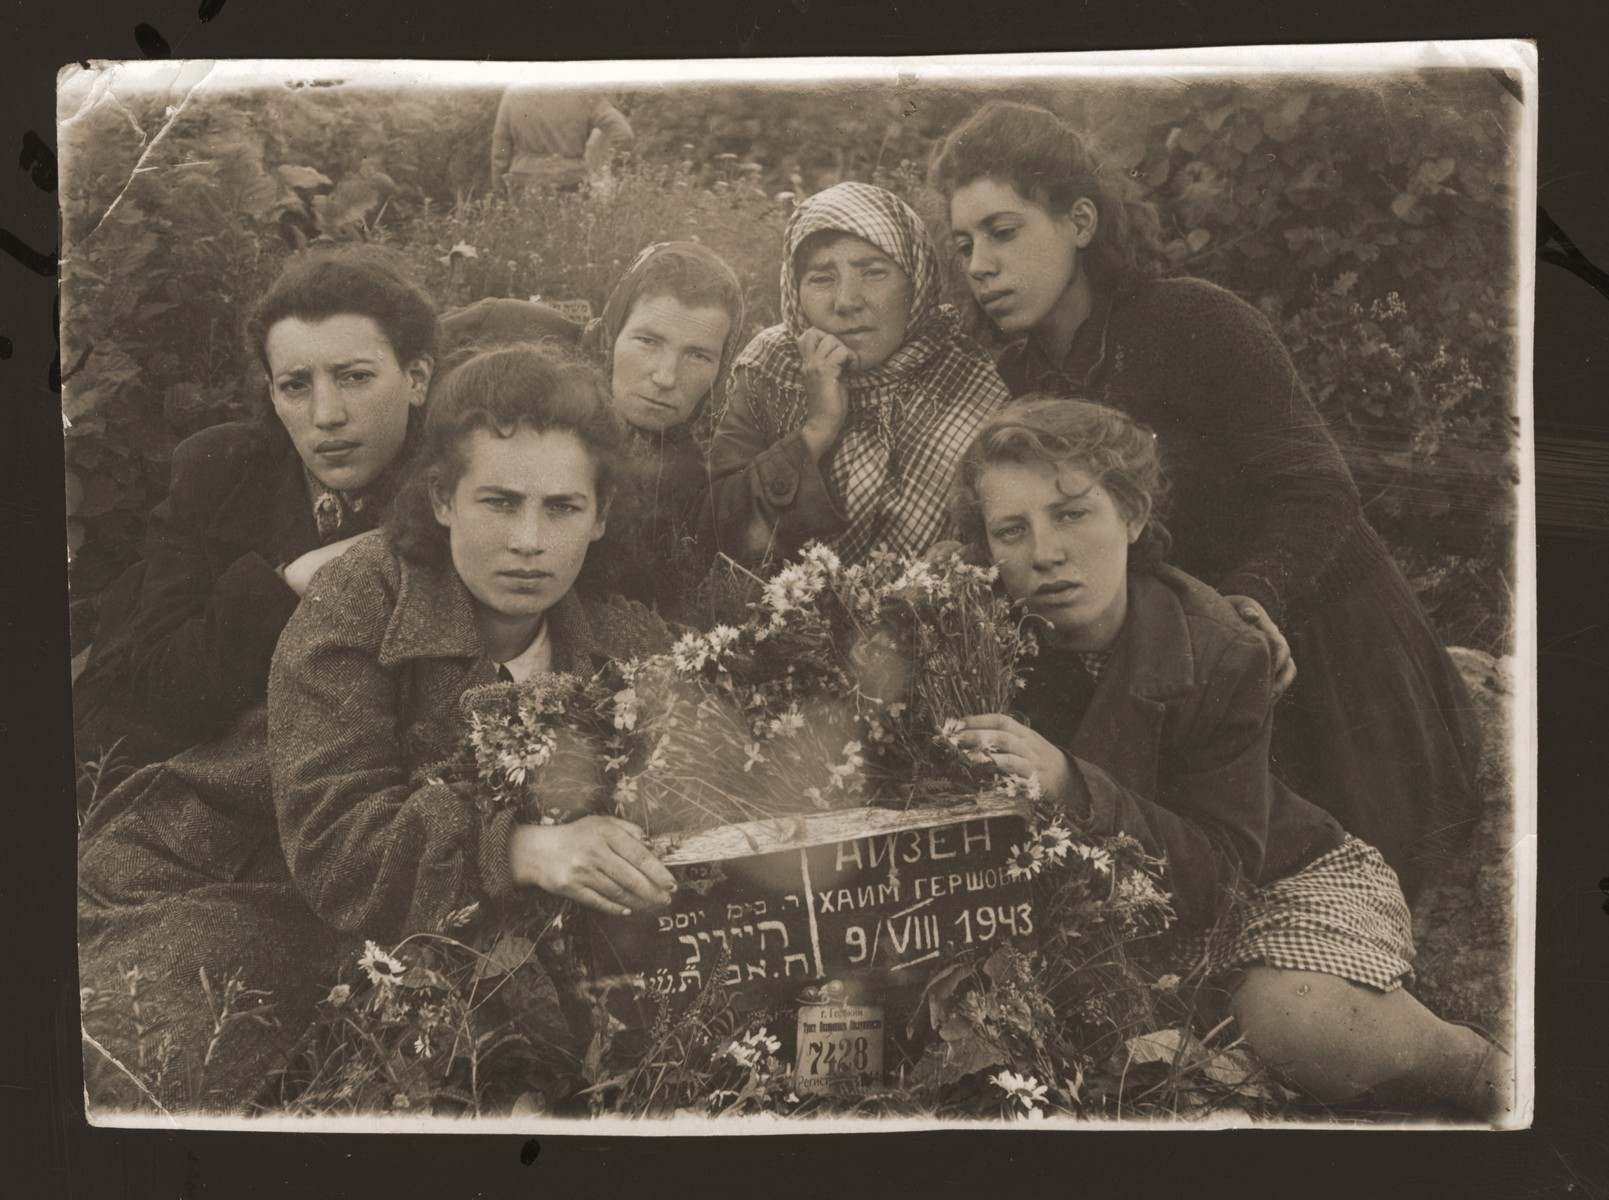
(668, 334)
(540, 139)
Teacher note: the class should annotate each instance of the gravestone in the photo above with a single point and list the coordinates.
(769, 907)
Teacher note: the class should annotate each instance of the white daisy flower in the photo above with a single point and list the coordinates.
(1094, 856)
(625, 706)
(788, 723)
(1024, 1089)
(1025, 862)
(821, 556)
(380, 967)
(1054, 841)
(690, 653)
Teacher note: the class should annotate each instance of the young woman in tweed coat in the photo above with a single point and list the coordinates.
(269, 866)
(1147, 713)
(843, 424)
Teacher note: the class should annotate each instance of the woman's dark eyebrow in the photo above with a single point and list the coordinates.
(986, 220)
(344, 364)
(864, 260)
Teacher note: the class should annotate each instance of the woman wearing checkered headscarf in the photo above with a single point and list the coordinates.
(845, 423)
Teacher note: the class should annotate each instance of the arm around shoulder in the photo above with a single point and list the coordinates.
(764, 496)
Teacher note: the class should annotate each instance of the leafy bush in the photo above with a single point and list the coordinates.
(1373, 224)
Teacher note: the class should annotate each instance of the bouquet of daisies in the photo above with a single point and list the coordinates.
(842, 686)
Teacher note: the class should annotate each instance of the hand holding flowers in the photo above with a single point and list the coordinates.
(1017, 750)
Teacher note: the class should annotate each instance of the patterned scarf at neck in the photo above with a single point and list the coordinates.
(331, 508)
(1094, 661)
(910, 418)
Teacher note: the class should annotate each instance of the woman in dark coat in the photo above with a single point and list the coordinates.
(1147, 713)
(347, 343)
(217, 862)
(1377, 727)
(667, 336)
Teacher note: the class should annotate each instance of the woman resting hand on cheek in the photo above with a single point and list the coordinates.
(1147, 713)
(517, 469)
(843, 423)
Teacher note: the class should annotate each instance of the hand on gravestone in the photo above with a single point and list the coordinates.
(599, 862)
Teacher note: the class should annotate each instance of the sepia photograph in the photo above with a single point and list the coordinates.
(804, 595)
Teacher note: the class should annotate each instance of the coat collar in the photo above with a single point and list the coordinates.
(1077, 373)
(270, 506)
(1123, 728)
(434, 617)
(1155, 656)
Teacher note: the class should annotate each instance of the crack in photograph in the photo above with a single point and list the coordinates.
(802, 595)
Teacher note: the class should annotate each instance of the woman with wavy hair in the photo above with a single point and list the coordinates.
(1377, 726)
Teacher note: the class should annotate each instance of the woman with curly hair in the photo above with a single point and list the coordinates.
(1146, 713)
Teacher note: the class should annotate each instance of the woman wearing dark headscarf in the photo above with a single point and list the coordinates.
(668, 334)
(845, 422)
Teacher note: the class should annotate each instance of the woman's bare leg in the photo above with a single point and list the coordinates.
(1336, 1040)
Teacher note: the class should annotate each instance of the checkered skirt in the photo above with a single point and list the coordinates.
(1342, 914)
